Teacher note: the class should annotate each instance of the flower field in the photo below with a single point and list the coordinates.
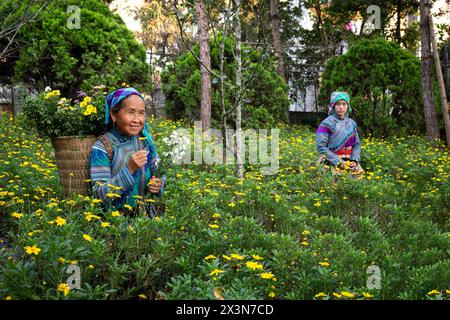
(293, 235)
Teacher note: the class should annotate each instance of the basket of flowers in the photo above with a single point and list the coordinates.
(72, 125)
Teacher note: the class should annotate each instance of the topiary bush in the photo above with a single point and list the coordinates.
(384, 84)
(265, 100)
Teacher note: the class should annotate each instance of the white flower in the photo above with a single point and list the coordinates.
(47, 89)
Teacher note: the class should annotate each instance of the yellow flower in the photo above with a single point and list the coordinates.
(433, 292)
(227, 257)
(337, 295)
(62, 260)
(60, 221)
(8, 298)
(127, 206)
(210, 257)
(214, 226)
(237, 256)
(215, 272)
(347, 294)
(367, 295)
(32, 250)
(17, 215)
(64, 288)
(306, 232)
(91, 267)
(305, 243)
(87, 237)
(272, 294)
(232, 204)
(216, 215)
(320, 295)
(115, 213)
(324, 263)
(105, 224)
(267, 275)
(256, 257)
(253, 265)
(142, 296)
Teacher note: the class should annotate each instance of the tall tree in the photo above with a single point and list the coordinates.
(276, 37)
(205, 66)
(431, 120)
(239, 142)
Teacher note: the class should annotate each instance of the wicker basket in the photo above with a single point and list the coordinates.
(72, 158)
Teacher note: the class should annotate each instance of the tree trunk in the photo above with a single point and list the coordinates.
(398, 34)
(205, 57)
(276, 37)
(441, 84)
(431, 120)
(239, 148)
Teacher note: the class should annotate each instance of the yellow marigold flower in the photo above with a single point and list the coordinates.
(159, 239)
(216, 272)
(216, 215)
(337, 295)
(367, 295)
(62, 260)
(210, 257)
(105, 224)
(232, 204)
(272, 294)
(305, 243)
(60, 221)
(8, 298)
(305, 233)
(17, 215)
(433, 292)
(447, 291)
(267, 275)
(256, 257)
(113, 195)
(253, 265)
(115, 213)
(64, 288)
(347, 294)
(227, 257)
(91, 267)
(87, 237)
(237, 256)
(142, 296)
(320, 295)
(127, 206)
(324, 263)
(32, 250)
(214, 226)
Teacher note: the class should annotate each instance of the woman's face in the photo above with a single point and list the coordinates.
(341, 108)
(131, 118)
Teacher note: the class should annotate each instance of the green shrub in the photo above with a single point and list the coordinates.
(265, 100)
(384, 84)
(102, 51)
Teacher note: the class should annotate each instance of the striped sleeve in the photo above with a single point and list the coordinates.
(322, 141)
(103, 184)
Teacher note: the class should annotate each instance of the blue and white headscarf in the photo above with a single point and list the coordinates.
(335, 97)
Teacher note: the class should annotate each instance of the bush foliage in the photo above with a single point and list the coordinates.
(384, 84)
(265, 100)
(101, 51)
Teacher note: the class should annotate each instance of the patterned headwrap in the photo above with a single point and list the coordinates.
(335, 97)
(113, 100)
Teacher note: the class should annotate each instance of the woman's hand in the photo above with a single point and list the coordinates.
(154, 185)
(137, 160)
